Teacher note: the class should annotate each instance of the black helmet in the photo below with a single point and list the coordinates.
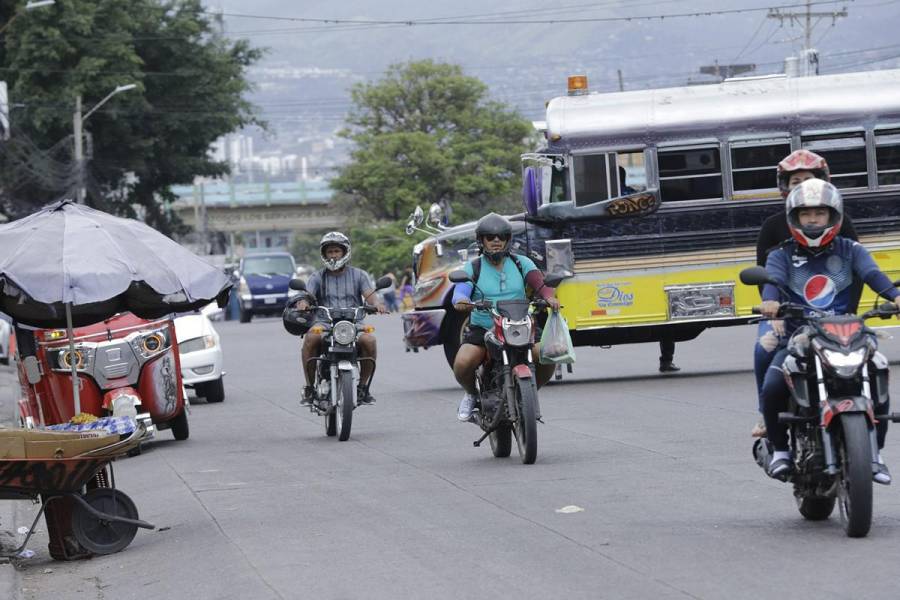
(493, 224)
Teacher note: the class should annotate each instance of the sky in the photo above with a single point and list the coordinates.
(524, 49)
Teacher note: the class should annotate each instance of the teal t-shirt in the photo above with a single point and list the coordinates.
(505, 284)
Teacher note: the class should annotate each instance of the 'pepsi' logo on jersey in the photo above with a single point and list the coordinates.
(819, 291)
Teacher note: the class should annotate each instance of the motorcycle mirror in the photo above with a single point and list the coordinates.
(297, 284)
(459, 277)
(554, 279)
(755, 276)
(383, 283)
(896, 283)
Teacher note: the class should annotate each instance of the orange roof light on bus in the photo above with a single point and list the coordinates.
(578, 85)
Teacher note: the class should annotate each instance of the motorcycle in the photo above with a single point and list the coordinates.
(508, 398)
(838, 383)
(337, 368)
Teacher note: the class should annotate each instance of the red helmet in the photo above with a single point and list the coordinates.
(814, 193)
(801, 160)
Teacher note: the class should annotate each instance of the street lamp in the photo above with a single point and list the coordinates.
(29, 6)
(78, 122)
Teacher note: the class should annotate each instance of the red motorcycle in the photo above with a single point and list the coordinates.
(125, 366)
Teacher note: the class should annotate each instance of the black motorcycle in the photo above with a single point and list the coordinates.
(839, 390)
(337, 372)
(506, 384)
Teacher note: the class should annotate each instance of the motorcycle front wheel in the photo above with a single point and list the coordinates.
(525, 427)
(855, 491)
(343, 412)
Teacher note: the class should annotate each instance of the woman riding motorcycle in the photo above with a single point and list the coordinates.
(817, 267)
(499, 275)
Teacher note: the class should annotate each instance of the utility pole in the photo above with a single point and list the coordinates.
(805, 19)
(79, 150)
(621, 84)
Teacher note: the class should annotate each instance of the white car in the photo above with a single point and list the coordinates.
(202, 362)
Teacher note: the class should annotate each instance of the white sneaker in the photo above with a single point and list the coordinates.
(466, 408)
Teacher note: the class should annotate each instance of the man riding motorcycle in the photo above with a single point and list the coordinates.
(338, 285)
(817, 267)
(794, 169)
(499, 275)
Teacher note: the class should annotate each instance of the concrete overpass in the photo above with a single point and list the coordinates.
(256, 215)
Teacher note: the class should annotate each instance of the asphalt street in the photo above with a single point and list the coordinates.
(644, 488)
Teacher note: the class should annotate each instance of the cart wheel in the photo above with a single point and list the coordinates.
(99, 535)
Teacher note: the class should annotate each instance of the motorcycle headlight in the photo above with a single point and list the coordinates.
(243, 288)
(344, 333)
(517, 333)
(845, 364)
(67, 357)
(152, 343)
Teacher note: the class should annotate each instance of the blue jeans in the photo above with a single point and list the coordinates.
(762, 357)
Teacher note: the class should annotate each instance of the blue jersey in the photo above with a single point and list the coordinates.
(823, 281)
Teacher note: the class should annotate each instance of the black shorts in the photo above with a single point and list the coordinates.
(474, 336)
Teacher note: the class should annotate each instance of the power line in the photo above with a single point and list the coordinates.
(426, 22)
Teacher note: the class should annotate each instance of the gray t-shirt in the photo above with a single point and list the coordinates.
(339, 290)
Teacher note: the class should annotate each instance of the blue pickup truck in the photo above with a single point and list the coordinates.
(263, 283)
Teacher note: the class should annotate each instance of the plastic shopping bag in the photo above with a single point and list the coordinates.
(556, 343)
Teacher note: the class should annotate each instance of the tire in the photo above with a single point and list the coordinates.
(245, 316)
(816, 508)
(344, 410)
(501, 441)
(525, 426)
(855, 491)
(179, 425)
(452, 332)
(98, 535)
(330, 424)
(214, 391)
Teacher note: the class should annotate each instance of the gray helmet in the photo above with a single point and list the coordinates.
(335, 238)
(493, 224)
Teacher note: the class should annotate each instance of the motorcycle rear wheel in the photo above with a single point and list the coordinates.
(855, 490)
(501, 441)
(525, 427)
(343, 411)
(816, 508)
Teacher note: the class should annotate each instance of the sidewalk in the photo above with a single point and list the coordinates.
(11, 518)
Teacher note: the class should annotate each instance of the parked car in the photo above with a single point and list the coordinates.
(202, 363)
(263, 283)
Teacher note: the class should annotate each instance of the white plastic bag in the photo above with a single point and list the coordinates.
(556, 343)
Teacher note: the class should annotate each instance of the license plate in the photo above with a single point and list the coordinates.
(270, 300)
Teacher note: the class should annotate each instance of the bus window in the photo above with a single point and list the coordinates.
(846, 156)
(887, 156)
(753, 163)
(632, 174)
(690, 174)
(595, 178)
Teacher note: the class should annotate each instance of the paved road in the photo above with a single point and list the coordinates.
(259, 504)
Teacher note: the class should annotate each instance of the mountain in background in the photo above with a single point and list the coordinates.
(303, 82)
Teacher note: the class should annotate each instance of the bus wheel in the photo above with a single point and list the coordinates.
(452, 333)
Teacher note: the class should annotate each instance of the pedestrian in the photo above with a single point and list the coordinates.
(390, 294)
(406, 289)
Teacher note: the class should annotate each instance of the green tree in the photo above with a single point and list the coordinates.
(428, 133)
(191, 88)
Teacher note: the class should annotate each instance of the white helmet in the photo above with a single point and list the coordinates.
(335, 238)
(814, 193)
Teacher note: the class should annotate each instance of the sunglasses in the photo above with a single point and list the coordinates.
(492, 237)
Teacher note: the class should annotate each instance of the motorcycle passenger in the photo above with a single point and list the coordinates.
(817, 266)
(338, 285)
(797, 167)
(502, 276)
